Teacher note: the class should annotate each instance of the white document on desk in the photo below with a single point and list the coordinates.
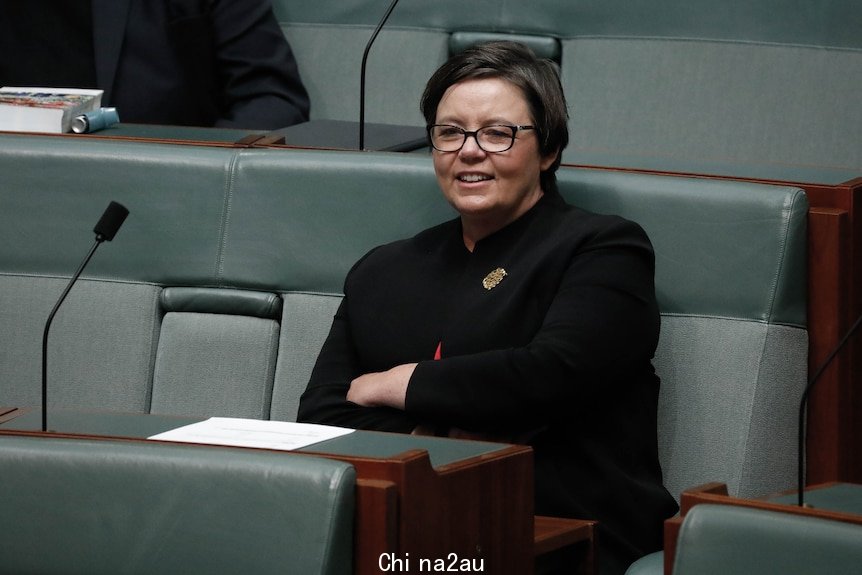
(283, 435)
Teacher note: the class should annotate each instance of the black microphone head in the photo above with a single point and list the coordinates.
(110, 222)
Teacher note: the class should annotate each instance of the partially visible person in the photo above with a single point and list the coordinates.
(522, 320)
(208, 63)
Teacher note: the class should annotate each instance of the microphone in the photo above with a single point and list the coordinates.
(109, 224)
(105, 230)
(803, 404)
(362, 74)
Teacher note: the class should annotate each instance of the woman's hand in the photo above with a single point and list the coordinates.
(382, 389)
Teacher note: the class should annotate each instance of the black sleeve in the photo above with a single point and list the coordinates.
(324, 400)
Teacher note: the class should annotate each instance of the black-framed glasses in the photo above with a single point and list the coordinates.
(492, 139)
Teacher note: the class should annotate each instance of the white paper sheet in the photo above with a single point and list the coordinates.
(238, 432)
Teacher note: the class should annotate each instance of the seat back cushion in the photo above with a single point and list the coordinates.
(723, 539)
(101, 343)
(217, 352)
(100, 507)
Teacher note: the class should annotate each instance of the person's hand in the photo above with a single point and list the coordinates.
(383, 388)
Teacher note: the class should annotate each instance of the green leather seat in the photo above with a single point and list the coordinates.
(730, 540)
(102, 507)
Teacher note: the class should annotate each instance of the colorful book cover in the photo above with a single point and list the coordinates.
(26, 109)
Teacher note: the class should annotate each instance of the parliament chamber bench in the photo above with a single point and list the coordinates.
(215, 297)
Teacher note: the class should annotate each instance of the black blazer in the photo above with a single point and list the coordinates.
(197, 63)
(556, 354)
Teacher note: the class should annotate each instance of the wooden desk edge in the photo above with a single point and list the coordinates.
(552, 533)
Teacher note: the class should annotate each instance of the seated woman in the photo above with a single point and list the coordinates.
(523, 320)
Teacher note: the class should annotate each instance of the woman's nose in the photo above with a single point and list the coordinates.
(471, 147)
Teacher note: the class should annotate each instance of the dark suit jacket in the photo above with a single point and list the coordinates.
(556, 355)
(197, 63)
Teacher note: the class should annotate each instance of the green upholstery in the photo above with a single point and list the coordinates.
(302, 336)
(101, 353)
(546, 47)
(699, 101)
(179, 313)
(330, 57)
(99, 507)
(215, 364)
(823, 25)
(221, 300)
(690, 86)
(730, 540)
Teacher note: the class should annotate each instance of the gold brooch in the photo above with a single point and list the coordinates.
(492, 279)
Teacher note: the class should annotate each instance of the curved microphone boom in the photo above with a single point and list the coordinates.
(362, 74)
(105, 230)
(803, 404)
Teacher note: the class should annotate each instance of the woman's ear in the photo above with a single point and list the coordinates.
(548, 160)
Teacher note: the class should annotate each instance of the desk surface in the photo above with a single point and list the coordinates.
(827, 175)
(839, 497)
(325, 134)
(372, 444)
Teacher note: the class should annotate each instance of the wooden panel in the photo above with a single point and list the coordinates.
(376, 525)
(828, 289)
(835, 301)
(575, 536)
(478, 510)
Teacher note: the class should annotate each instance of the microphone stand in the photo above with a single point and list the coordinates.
(105, 230)
(99, 240)
(362, 75)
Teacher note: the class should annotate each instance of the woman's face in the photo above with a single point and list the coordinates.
(490, 190)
